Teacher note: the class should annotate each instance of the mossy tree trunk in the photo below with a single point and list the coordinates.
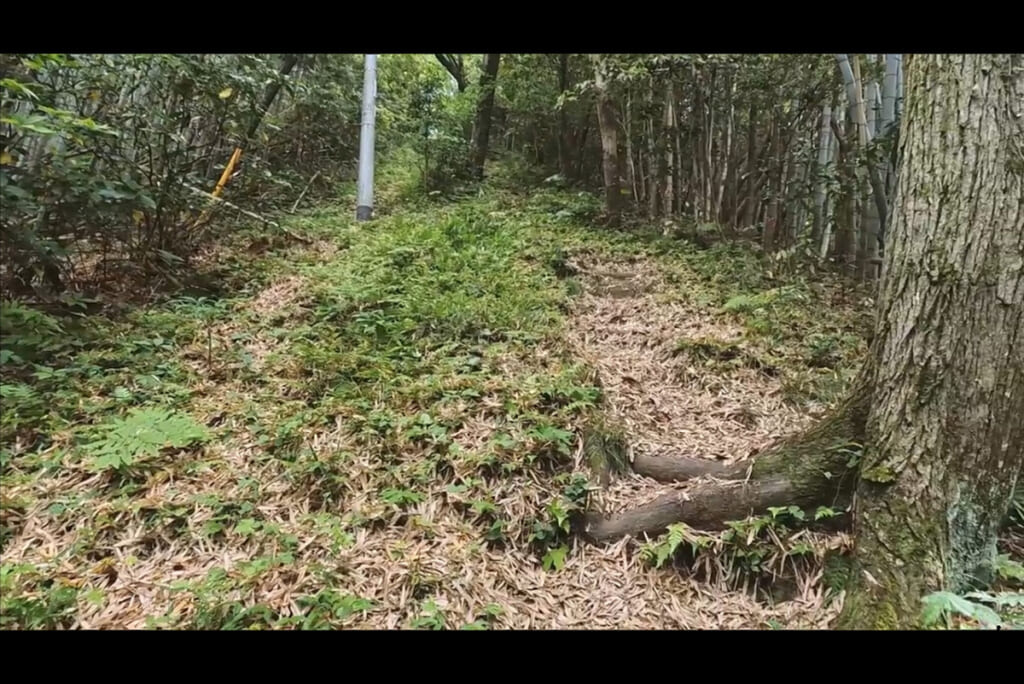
(945, 434)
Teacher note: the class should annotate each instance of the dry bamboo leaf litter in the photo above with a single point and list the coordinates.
(622, 325)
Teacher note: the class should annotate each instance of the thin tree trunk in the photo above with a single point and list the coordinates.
(799, 185)
(680, 191)
(564, 161)
(899, 90)
(709, 137)
(888, 130)
(669, 138)
(851, 79)
(288, 63)
(581, 149)
(697, 146)
(832, 203)
(607, 120)
(629, 148)
(484, 111)
(727, 155)
(845, 208)
(653, 191)
(641, 168)
(752, 171)
(871, 220)
(769, 232)
(946, 439)
(824, 150)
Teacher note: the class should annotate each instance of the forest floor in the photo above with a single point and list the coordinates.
(383, 425)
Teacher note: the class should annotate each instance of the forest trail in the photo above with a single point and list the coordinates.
(353, 482)
(631, 326)
(425, 565)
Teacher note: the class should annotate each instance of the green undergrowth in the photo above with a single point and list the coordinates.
(368, 374)
(407, 331)
(1001, 606)
(766, 552)
(809, 332)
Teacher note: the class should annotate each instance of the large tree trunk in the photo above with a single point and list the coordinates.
(607, 120)
(945, 430)
(937, 406)
(484, 109)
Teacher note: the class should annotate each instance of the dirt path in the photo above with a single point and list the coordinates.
(628, 324)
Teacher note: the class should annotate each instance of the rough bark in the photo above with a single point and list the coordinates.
(945, 430)
(812, 468)
(484, 110)
(607, 120)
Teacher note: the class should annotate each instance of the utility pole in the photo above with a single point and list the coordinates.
(364, 204)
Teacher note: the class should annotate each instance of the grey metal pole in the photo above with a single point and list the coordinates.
(364, 203)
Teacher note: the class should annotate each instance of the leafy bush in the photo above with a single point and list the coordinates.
(105, 158)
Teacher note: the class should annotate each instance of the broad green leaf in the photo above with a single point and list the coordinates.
(944, 602)
(247, 526)
(555, 558)
(824, 512)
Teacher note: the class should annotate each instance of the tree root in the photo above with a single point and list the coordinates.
(683, 468)
(814, 468)
(705, 507)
